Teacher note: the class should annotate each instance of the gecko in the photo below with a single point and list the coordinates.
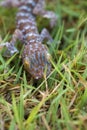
(35, 56)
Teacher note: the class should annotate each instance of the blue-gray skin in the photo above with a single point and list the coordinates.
(36, 58)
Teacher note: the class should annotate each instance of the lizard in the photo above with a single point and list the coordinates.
(36, 56)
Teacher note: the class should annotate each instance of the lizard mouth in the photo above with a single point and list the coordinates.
(38, 77)
(40, 73)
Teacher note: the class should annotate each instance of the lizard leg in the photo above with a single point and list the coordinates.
(10, 46)
(45, 36)
(40, 10)
(10, 3)
(17, 35)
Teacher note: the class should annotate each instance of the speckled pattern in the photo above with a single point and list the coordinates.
(35, 53)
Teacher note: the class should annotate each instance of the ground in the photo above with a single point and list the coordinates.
(58, 102)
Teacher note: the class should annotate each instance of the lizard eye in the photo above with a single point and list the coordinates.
(26, 63)
(48, 56)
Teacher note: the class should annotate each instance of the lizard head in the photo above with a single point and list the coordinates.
(36, 60)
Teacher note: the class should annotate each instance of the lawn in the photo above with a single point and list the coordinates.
(56, 102)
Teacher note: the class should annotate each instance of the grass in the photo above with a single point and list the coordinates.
(58, 102)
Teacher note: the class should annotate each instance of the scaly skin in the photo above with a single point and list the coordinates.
(35, 55)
